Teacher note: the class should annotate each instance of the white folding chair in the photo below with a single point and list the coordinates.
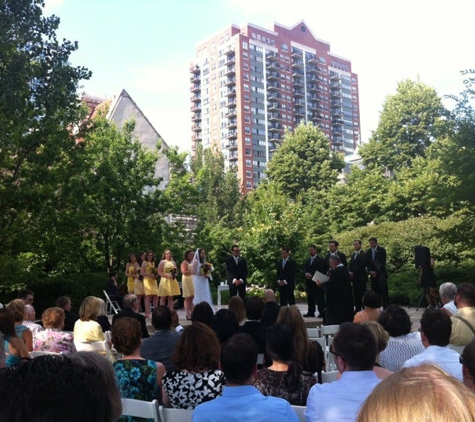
(140, 409)
(329, 330)
(313, 333)
(174, 415)
(111, 305)
(94, 346)
(329, 376)
(299, 411)
(37, 353)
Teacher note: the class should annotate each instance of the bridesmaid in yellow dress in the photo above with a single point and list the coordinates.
(187, 282)
(168, 287)
(149, 282)
(131, 271)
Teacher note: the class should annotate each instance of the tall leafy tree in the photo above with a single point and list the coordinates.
(409, 122)
(304, 161)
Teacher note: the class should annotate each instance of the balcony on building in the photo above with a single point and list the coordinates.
(335, 84)
(197, 136)
(274, 105)
(231, 102)
(297, 63)
(232, 134)
(299, 102)
(337, 111)
(195, 75)
(274, 117)
(272, 75)
(231, 145)
(230, 81)
(275, 127)
(298, 81)
(312, 59)
(299, 92)
(337, 121)
(314, 106)
(196, 98)
(232, 123)
(196, 126)
(196, 107)
(296, 72)
(334, 76)
(196, 88)
(231, 113)
(230, 92)
(273, 96)
(276, 137)
(196, 117)
(337, 103)
(296, 52)
(233, 156)
(312, 69)
(313, 88)
(299, 112)
(335, 93)
(274, 86)
(230, 59)
(230, 70)
(318, 116)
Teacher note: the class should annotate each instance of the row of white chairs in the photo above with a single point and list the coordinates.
(324, 336)
(151, 410)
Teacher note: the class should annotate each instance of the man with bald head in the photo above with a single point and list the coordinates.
(30, 320)
(271, 308)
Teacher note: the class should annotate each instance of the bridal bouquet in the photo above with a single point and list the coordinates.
(205, 269)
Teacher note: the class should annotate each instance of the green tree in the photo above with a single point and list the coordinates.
(409, 122)
(304, 161)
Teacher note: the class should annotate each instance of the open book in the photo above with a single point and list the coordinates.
(322, 278)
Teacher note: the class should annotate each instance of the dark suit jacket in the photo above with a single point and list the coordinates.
(288, 272)
(339, 296)
(257, 331)
(233, 271)
(270, 313)
(318, 264)
(357, 266)
(377, 264)
(130, 313)
(70, 321)
(342, 257)
(160, 347)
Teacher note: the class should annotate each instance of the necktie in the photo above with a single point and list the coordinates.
(236, 260)
(311, 260)
(374, 253)
(283, 263)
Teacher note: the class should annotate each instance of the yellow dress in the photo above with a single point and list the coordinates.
(131, 279)
(150, 284)
(168, 287)
(187, 284)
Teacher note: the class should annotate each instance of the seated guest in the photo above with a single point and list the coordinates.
(468, 364)
(102, 318)
(86, 328)
(3, 356)
(402, 344)
(64, 302)
(421, 393)
(197, 378)
(447, 292)
(307, 353)
(52, 339)
(382, 339)
(284, 377)
(202, 312)
(55, 389)
(240, 400)
(354, 348)
(463, 322)
(30, 319)
(17, 308)
(371, 311)
(176, 322)
(131, 310)
(436, 327)
(137, 377)
(161, 345)
(236, 306)
(254, 307)
(224, 324)
(14, 347)
(271, 308)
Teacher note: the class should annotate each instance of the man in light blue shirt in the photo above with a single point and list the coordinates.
(241, 401)
(354, 349)
(436, 328)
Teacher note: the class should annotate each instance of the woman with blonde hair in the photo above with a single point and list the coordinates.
(382, 339)
(168, 287)
(187, 282)
(18, 310)
(236, 306)
(419, 393)
(86, 328)
(307, 353)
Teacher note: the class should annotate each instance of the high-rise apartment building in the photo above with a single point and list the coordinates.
(250, 84)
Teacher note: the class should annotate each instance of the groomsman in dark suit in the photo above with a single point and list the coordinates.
(315, 296)
(286, 268)
(376, 266)
(358, 274)
(236, 273)
(333, 248)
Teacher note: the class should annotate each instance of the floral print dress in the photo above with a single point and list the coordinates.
(137, 379)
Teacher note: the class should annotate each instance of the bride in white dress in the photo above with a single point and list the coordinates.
(201, 271)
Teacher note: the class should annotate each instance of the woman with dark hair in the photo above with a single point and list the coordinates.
(224, 324)
(202, 312)
(168, 286)
(15, 347)
(198, 378)
(137, 378)
(236, 306)
(201, 270)
(371, 311)
(284, 378)
(149, 282)
(187, 282)
(403, 344)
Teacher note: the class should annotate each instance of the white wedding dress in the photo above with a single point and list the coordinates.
(201, 284)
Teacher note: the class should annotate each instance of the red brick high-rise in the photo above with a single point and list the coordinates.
(249, 84)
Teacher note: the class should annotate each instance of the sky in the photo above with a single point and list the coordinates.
(146, 46)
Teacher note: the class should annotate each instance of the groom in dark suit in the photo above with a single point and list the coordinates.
(236, 273)
(315, 296)
(286, 268)
(376, 265)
